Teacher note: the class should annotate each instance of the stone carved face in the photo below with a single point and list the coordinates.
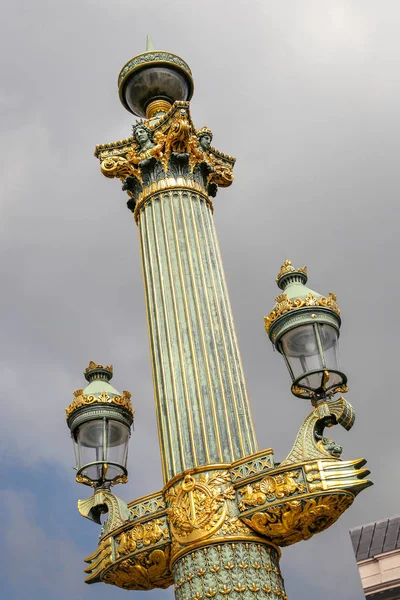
(141, 135)
(205, 141)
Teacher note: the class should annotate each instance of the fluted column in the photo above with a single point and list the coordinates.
(203, 411)
(239, 571)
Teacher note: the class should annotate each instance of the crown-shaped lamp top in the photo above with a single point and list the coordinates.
(297, 296)
(289, 274)
(97, 372)
(99, 391)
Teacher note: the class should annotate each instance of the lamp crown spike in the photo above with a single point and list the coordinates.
(288, 271)
(95, 371)
(149, 44)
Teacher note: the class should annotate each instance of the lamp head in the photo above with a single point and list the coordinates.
(152, 81)
(304, 327)
(100, 420)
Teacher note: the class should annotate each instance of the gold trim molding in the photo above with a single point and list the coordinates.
(157, 106)
(164, 185)
(81, 400)
(284, 305)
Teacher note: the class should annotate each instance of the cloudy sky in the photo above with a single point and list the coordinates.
(305, 94)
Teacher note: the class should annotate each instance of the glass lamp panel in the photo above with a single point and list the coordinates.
(94, 472)
(329, 341)
(117, 447)
(113, 471)
(89, 438)
(313, 381)
(335, 379)
(301, 349)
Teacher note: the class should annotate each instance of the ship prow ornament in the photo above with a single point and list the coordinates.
(225, 509)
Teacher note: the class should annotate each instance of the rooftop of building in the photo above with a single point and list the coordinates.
(376, 538)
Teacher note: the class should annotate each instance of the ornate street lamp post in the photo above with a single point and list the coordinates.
(226, 508)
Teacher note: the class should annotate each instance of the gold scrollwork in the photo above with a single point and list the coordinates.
(198, 507)
(271, 488)
(284, 304)
(145, 571)
(141, 535)
(298, 520)
(299, 390)
(118, 166)
(81, 400)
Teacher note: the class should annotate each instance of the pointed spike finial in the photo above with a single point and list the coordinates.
(149, 44)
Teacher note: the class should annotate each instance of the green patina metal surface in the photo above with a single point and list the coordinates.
(202, 405)
(240, 570)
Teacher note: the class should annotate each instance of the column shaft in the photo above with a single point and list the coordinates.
(203, 411)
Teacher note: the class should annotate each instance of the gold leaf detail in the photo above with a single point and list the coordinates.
(287, 267)
(81, 400)
(145, 571)
(284, 304)
(198, 506)
(298, 520)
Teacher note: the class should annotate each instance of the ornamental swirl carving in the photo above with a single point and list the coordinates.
(145, 571)
(141, 535)
(271, 488)
(297, 520)
(284, 304)
(81, 400)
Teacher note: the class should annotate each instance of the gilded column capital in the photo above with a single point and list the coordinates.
(166, 152)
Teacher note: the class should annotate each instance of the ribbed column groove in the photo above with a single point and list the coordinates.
(203, 410)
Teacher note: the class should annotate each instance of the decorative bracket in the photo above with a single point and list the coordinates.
(252, 500)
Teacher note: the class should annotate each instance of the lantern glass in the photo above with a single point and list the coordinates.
(117, 448)
(311, 354)
(329, 342)
(102, 450)
(300, 347)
